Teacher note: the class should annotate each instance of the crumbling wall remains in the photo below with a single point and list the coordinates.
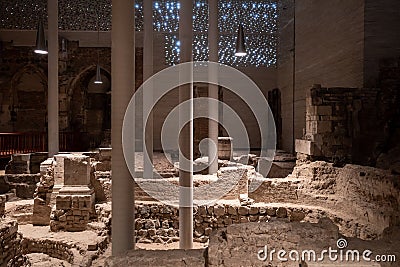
(10, 254)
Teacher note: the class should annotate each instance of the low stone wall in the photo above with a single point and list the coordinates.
(366, 199)
(362, 201)
(276, 190)
(72, 213)
(265, 244)
(159, 223)
(55, 249)
(23, 184)
(2, 205)
(238, 245)
(349, 125)
(14, 247)
(25, 163)
(10, 253)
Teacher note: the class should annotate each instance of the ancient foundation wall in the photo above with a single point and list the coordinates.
(24, 185)
(241, 243)
(2, 205)
(159, 223)
(336, 121)
(10, 253)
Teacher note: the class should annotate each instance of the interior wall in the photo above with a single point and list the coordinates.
(382, 38)
(265, 79)
(329, 47)
(285, 70)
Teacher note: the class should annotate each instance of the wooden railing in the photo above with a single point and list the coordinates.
(12, 143)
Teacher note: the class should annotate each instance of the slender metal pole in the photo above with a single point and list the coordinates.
(122, 88)
(148, 91)
(52, 96)
(186, 135)
(213, 88)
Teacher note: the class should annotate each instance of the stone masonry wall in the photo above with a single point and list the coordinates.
(10, 255)
(2, 205)
(25, 163)
(337, 120)
(82, 108)
(23, 184)
(159, 223)
(238, 245)
(351, 124)
(75, 199)
(13, 247)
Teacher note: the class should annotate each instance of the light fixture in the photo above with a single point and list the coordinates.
(63, 45)
(98, 73)
(240, 44)
(41, 47)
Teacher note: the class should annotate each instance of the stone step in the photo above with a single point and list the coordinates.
(23, 218)
(11, 195)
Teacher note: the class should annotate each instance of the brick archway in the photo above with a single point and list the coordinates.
(90, 105)
(28, 98)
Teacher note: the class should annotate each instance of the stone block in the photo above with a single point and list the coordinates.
(271, 211)
(62, 204)
(324, 126)
(25, 191)
(35, 161)
(19, 164)
(296, 216)
(59, 169)
(41, 213)
(253, 210)
(48, 163)
(232, 210)
(307, 147)
(4, 186)
(219, 210)
(2, 205)
(105, 154)
(281, 212)
(76, 170)
(243, 210)
(102, 166)
(320, 110)
(76, 213)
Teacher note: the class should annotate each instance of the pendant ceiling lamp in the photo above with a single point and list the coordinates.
(240, 41)
(98, 75)
(98, 69)
(41, 47)
(240, 44)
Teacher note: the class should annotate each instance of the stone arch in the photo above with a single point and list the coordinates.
(90, 105)
(28, 99)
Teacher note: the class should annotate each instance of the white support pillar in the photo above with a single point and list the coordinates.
(148, 91)
(52, 95)
(213, 88)
(122, 88)
(186, 134)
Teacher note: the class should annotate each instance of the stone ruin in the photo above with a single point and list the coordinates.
(73, 194)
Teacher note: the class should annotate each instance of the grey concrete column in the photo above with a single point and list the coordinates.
(186, 135)
(52, 95)
(122, 88)
(212, 88)
(148, 91)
